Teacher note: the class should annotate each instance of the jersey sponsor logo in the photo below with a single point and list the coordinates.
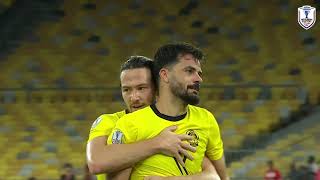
(117, 137)
(96, 122)
(195, 141)
(306, 16)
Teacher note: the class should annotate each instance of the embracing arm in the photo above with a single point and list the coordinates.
(112, 158)
(220, 166)
(107, 159)
(215, 150)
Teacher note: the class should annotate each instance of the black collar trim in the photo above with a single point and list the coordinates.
(166, 117)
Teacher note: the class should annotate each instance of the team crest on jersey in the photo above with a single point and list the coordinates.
(117, 137)
(306, 16)
(96, 122)
(195, 141)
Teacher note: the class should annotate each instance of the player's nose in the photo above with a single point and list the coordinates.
(198, 78)
(135, 96)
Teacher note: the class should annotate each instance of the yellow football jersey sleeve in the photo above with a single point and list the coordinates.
(103, 126)
(215, 144)
(149, 122)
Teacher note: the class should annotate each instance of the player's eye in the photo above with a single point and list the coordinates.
(141, 88)
(189, 71)
(125, 90)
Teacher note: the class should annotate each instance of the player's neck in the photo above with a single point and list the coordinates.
(170, 105)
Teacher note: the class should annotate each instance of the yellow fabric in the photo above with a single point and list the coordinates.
(103, 126)
(146, 124)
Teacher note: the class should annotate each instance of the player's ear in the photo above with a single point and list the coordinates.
(163, 73)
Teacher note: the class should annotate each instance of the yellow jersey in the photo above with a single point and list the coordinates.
(103, 126)
(149, 122)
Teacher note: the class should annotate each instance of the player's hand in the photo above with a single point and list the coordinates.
(171, 144)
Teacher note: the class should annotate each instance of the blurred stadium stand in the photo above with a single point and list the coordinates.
(59, 66)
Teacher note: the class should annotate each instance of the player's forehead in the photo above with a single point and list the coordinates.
(188, 60)
(135, 77)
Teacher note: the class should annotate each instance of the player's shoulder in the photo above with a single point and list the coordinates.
(106, 120)
(139, 113)
(198, 110)
(204, 115)
(135, 118)
(201, 113)
(120, 114)
(112, 116)
(131, 121)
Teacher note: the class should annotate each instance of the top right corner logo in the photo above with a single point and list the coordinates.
(306, 16)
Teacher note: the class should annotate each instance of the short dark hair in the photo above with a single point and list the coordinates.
(135, 62)
(168, 54)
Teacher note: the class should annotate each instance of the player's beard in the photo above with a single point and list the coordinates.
(179, 91)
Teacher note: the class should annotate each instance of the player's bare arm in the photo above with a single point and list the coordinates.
(104, 158)
(220, 166)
